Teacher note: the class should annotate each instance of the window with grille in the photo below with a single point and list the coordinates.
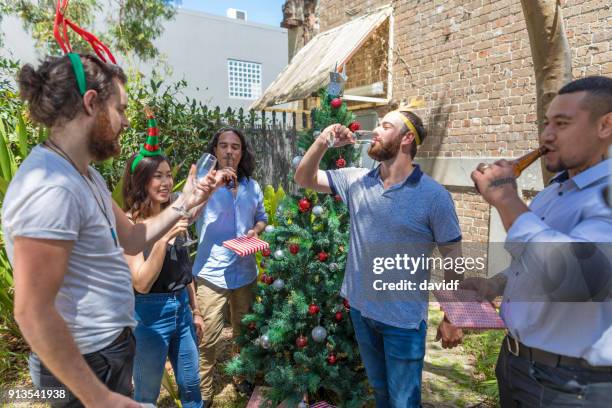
(244, 79)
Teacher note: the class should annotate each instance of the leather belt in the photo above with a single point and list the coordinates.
(124, 335)
(549, 359)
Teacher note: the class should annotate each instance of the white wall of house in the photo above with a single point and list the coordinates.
(196, 47)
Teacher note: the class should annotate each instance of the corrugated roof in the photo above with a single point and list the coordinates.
(309, 69)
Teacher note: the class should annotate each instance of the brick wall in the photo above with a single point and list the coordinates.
(369, 64)
(471, 61)
(473, 213)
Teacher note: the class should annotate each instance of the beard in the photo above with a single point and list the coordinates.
(103, 141)
(383, 151)
(557, 166)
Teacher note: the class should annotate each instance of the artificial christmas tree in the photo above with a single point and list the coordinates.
(303, 342)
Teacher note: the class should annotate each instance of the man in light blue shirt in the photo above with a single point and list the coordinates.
(222, 275)
(557, 291)
(396, 213)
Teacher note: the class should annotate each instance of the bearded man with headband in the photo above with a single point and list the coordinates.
(394, 206)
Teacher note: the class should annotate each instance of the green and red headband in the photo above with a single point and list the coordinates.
(151, 147)
(60, 32)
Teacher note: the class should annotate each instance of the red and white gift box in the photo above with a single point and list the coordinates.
(244, 246)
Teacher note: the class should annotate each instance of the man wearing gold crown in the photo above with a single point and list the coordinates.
(396, 211)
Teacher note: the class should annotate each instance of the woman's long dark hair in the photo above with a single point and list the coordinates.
(247, 162)
(136, 201)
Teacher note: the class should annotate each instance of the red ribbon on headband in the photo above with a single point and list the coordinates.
(60, 32)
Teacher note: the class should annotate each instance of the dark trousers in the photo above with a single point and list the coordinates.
(113, 365)
(523, 383)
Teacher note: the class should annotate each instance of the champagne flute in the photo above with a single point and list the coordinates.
(361, 137)
(206, 163)
(204, 166)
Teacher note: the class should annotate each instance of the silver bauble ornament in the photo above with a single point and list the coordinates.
(333, 266)
(265, 341)
(278, 284)
(296, 161)
(269, 228)
(319, 334)
(317, 210)
(278, 254)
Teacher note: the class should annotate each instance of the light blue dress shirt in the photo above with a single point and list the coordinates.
(223, 218)
(568, 210)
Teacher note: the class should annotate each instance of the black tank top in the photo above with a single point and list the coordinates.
(176, 270)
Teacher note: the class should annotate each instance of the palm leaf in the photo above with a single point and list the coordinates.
(3, 187)
(5, 157)
(22, 136)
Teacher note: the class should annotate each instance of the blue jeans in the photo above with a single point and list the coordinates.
(393, 359)
(165, 329)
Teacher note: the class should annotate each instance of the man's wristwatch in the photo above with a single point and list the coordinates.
(181, 210)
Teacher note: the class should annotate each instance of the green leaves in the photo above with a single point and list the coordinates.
(133, 24)
(271, 201)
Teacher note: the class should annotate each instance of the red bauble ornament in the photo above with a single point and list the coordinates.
(263, 277)
(336, 103)
(354, 126)
(266, 252)
(252, 326)
(338, 198)
(294, 248)
(341, 163)
(313, 309)
(301, 341)
(332, 359)
(269, 280)
(323, 256)
(346, 304)
(304, 205)
(339, 316)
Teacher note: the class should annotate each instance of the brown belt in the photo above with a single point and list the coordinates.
(549, 359)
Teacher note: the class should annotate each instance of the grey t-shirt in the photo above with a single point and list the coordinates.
(49, 199)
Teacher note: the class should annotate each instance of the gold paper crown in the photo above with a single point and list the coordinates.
(415, 103)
